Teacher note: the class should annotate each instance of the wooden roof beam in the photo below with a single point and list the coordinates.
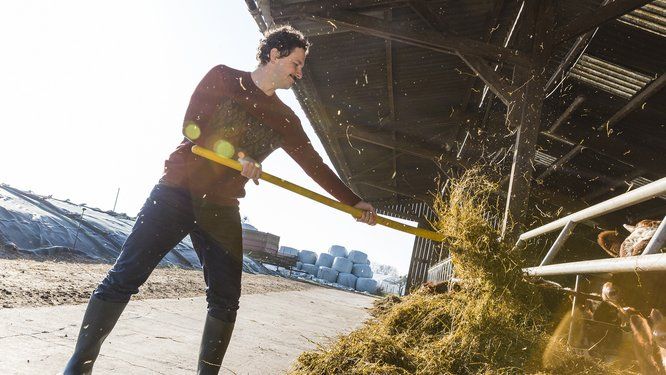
(403, 143)
(524, 113)
(487, 74)
(574, 52)
(636, 102)
(502, 89)
(421, 8)
(376, 27)
(316, 6)
(393, 190)
(567, 113)
(587, 21)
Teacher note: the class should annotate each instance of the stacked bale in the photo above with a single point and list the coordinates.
(310, 268)
(307, 256)
(347, 279)
(365, 284)
(342, 265)
(337, 251)
(325, 260)
(327, 274)
(358, 257)
(362, 270)
(308, 259)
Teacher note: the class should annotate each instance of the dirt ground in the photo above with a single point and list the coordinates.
(29, 281)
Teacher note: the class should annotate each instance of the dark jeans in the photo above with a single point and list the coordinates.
(168, 215)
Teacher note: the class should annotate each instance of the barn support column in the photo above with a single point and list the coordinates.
(524, 113)
(422, 256)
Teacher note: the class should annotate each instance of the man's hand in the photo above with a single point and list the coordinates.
(369, 216)
(251, 169)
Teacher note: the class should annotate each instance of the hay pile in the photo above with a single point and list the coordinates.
(495, 324)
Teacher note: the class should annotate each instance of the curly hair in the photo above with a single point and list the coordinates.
(284, 38)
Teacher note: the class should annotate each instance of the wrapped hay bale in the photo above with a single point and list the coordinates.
(310, 268)
(288, 251)
(328, 274)
(495, 324)
(342, 265)
(358, 257)
(347, 279)
(307, 256)
(325, 260)
(362, 270)
(366, 284)
(337, 251)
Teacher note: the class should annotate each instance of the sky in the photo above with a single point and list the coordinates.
(92, 97)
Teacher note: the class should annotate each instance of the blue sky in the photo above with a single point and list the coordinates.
(93, 95)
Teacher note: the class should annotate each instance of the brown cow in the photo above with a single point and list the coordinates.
(638, 239)
(648, 342)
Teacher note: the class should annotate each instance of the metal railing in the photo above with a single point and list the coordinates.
(568, 223)
(442, 271)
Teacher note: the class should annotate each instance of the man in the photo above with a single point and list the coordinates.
(235, 114)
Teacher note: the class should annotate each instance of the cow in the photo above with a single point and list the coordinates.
(634, 244)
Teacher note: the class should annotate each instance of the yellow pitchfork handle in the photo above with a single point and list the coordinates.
(355, 212)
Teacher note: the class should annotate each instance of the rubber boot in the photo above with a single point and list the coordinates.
(214, 342)
(98, 321)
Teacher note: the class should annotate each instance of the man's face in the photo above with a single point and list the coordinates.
(288, 69)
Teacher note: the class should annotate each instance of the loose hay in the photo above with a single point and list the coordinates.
(495, 324)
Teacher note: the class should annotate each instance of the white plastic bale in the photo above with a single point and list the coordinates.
(325, 260)
(288, 251)
(362, 270)
(366, 284)
(310, 268)
(358, 257)
(307, 256)
(342, 265)
(347, 279)
(327, 274)
(337, 251)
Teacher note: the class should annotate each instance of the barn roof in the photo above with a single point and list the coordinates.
(402, 92)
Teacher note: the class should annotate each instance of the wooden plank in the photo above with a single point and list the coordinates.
(574, 52)
(560, 162)
(586, 21)
(524, 114)
(567, 113)
(425, 39)
(388, 16)
(396, 191)
(636, 102)
(490, 77)
(402, 143)
(421, 8)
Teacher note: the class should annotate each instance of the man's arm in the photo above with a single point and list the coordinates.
(300, 149)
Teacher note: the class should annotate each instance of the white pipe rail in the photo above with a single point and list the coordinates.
(640, 263)
(657, 240)
(643, 193)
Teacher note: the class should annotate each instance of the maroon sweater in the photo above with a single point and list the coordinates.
(233, 115)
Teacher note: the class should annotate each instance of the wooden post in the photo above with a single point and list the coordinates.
(524, 112)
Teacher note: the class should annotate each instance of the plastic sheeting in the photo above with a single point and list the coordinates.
(47, 226)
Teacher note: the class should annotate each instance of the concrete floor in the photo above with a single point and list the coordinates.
(162, 336)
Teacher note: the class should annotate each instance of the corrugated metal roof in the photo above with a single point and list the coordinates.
(350, 73)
